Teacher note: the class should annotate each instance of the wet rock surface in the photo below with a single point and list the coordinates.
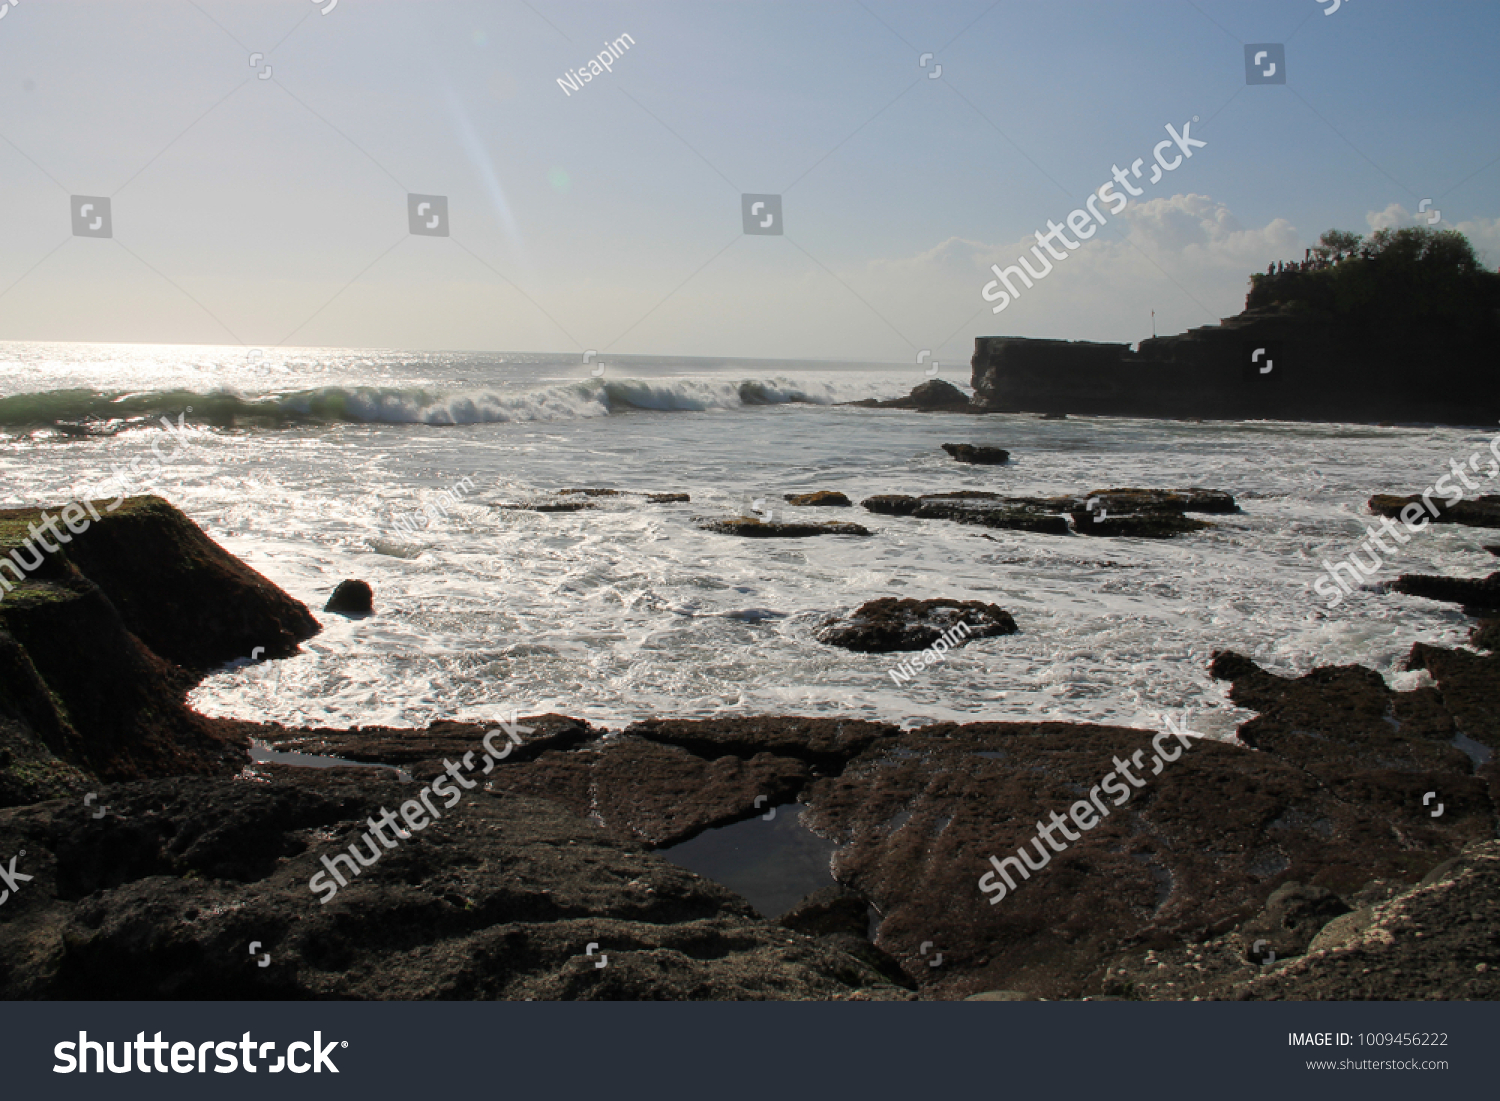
(1481, 594)
(1194, 499)
(351, 598)
(984, 456)
(500, 898)
(935, 396)
(891, 623)
(1480, 512)
(825, 498)
(1324, 803)
(1138, 513)
(777, 529)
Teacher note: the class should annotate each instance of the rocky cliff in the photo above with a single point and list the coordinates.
(1388, 337)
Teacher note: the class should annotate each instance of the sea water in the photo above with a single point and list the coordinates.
(303, 462)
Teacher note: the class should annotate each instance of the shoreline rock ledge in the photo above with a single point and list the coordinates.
(1308, 829)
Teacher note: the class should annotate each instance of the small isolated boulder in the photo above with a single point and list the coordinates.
(773, 529)
(351, 598)
(984, 456)
(826, 498)
(892, 623)
(667, 498)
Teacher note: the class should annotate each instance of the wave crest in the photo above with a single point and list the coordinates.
(88, 412)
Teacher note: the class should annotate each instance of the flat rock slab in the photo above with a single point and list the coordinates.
(659, 795)
(777, 529)
(1193, 499)
(826, 743)
(890, 624)
(1481, 512)
(984, 456)
(825, 498)
(931, 807)
(497, 899)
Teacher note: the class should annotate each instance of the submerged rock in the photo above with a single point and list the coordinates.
(827, 498)
(763, 529)
(352, 598)
(892, 623)
(969, 453)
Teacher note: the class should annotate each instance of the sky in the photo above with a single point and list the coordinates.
(258, 160)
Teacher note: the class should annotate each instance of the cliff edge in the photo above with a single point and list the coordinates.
(1404, 327)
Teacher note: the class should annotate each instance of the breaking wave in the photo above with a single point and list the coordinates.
(90, 412)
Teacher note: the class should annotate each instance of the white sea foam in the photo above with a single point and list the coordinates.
(628, 610)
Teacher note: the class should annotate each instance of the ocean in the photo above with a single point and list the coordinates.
(315, 465)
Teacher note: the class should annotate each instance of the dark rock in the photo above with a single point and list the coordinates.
(496, 899)
(1468, 686)
(1481, 512)
(1486, 635)
(1436, 940)
(590, 492)
(891, 504)
(934, 396)
(351, 598)
(667, 498)
(184, 596)
(762, 529)
(1140, 525)
(968, 453)
(891, 623)
(1294, 914)
(1493, 548)
(991, 514)
(657, 794)
(1478, 593)
(1335, 353)
(931, 807)
(830, 910)
(421, 752)
(826, 498)
(822, 742)
(549, 506)
(1193, 499)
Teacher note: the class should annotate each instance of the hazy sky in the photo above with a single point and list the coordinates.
(271, 210)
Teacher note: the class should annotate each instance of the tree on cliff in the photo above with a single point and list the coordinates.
(1394, 279)
(1335, 244)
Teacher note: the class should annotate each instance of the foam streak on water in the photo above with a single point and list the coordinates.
(629, 611)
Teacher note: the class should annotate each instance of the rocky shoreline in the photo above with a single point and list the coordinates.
(1341, 846)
